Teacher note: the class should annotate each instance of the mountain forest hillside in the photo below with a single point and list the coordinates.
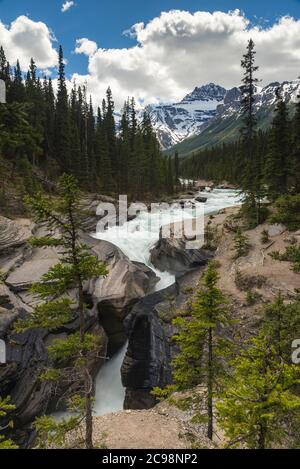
(225, 125)
(44, 133)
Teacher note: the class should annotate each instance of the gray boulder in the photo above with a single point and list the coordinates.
(171, 254)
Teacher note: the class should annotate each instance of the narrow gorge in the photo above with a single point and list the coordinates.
(125, 307)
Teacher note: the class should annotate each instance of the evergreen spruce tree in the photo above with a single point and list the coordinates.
(77, 265)
(176, 170)
(110, 136)
(170, 177)
(62, 124)
(4, 67)
(252, 175)
(91, 130)
(16, 92)
(124, 148)
(103, 162)
(277, 170)
(202, 345)
(295, 165)
(49, 126)
(282, 325)
(75, 146)
(17, 137)
(5, 407)
(258, 396)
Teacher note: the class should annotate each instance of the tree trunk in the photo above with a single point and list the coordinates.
(210, 387)
(262, 436)
(89, 412)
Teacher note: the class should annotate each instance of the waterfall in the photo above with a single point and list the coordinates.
(135, 239)
(109, 390)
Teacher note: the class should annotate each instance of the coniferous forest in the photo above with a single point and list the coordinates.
(261, 163)
(49, 132)
(208, 337)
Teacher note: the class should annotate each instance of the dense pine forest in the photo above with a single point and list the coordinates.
(47, 132)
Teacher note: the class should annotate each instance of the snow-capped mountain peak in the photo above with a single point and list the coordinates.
(176, 122)
(210, 92)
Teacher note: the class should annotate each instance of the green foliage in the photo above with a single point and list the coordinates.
(202, 347)
(249, 213)
(51, 315)
(264, 239)
(287, 211)
(277, 166)
(6, 407)
(210, 237)
(165, 393)
(66, 433)
(246, 282)
(258, 397)
(54, 434)
(73, 354)
(73, 347)
(252, 297)
(291, 254)
(48, 133)
(282, 325)
(241, 244)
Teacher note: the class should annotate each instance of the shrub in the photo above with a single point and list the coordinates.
(249, 214)
(210, 237)
(247, 282)
(264, 237)
(287, 211)
(291, 254)
(241, 244)
(252, 297)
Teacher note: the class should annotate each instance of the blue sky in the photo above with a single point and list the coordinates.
(104, 21)
(169, 55)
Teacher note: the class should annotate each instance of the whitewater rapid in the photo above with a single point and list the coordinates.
(135, 239)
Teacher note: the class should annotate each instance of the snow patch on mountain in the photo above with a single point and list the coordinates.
(174, 123)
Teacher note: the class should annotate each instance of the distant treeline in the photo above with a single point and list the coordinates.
(62, 132)
(261, 163)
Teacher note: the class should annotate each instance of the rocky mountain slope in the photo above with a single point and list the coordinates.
(225, 124)
(175, 122)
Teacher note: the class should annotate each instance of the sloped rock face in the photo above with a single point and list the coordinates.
(147, 363)
(172, 255)
(14, 233)
(126, 283)
(109, 301)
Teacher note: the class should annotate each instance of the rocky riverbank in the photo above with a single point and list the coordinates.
(256, 272)
(124, 306)
(108, 301)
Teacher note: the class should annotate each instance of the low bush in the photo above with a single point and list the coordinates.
(291, 254)
(248, 282)
(241, 244)
(287, 211)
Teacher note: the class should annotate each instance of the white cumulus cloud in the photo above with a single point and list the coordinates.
(67, 5)
(179, 50)
(24, 39)
(85, 46)
(170, 55)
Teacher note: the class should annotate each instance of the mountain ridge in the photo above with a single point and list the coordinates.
(174, 122)
(210, 115)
